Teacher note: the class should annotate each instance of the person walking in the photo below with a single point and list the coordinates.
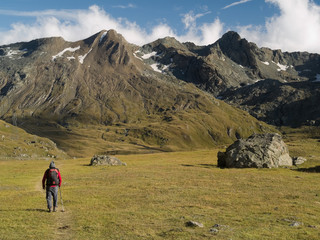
(51, 181)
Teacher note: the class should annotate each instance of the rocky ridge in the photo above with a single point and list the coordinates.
(231, 62)
(281, 104)
(53, 88)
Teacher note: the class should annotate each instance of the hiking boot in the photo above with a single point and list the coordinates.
(54, 209)
(49, 210)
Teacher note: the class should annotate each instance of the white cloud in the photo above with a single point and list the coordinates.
(236, 3)
(205, 34)
(189, 19)
(74, 25)
(297, 28)
(211, 32)
(130, 5)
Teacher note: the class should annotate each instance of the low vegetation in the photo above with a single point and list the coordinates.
(15, 143)
(156, 194)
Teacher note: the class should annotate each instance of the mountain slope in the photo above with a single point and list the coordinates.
(276, 87)
(231, 62)
(289, 104)
(103, 94)
(18, 144)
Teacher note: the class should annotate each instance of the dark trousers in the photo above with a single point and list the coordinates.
(52, 192)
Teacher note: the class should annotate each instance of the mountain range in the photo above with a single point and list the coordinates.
(103, 94)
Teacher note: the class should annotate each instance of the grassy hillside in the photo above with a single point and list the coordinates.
(215, 124)
(156, 194)
(17, 143)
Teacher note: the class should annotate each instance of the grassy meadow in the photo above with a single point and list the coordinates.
(156, 194)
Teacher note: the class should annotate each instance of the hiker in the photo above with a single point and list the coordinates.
(51, 180)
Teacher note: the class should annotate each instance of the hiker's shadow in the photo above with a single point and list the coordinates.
(35, 210)
(200, 165)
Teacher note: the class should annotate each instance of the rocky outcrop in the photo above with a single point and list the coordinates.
(281, 104)
(106, 160)
(258, 151)
(238, 49)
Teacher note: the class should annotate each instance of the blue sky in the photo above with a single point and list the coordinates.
(292, 25)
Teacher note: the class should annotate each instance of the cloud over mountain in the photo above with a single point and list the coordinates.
(296, 28)
(77, 24)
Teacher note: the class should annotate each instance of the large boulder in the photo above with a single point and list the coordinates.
(106, 160)
(258, 151)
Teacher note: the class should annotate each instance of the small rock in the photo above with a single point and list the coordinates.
(295, 224)
(312, 226)
(214, 230)
(219, 226)
(298, 160)
(194, 224)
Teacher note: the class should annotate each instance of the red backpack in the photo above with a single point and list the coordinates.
(52, 177)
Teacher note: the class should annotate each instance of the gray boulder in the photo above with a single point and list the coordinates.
(298, 160)
(106, 160)
(194, 224)
(258, 151)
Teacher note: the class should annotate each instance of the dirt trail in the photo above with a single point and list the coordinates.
(63, 228)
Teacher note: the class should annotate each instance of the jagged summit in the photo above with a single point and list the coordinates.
(238, 49)
(230, 37)
(104, 80)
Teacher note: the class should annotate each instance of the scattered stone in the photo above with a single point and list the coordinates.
(64, 227)
(295, 224)
(258, 151)
(106, 160)
(298, 160)
(220, 226)
(194, 224)
(312, 226)
(214, 230)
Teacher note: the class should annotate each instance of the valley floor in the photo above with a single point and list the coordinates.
(156, 194)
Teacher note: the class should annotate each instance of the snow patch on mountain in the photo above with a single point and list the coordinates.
(102, 36)
(60, 54)
(149, 55)
(317, 78)
(281, 67)
(156, 68)
(135, 54)
(82, 57)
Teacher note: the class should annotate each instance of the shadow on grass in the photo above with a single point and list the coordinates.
(200, 165)
(309, 170)
(36, 210)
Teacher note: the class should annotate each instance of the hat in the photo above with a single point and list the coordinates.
(52, 165)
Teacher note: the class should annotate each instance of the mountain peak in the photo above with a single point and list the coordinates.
(231, 36)
(238, 49)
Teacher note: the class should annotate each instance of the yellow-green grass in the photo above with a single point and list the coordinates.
(17, 143)
(156, 194)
